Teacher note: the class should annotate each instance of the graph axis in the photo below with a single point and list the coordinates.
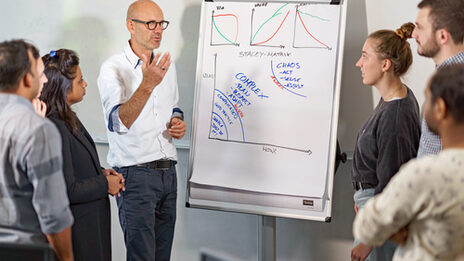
(252, 31)
(307, 151)
(297, 14)
(235, 43)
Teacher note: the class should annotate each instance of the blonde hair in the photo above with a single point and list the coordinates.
(393, 45)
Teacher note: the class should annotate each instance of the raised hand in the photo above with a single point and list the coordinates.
(154, 71)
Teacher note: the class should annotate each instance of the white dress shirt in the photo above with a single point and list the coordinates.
(147, 139)
(427, 195)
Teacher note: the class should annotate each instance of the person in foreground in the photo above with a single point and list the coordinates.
(33, 198)
(88, 184)
(426, 195)
(139, 95)
(390, 136)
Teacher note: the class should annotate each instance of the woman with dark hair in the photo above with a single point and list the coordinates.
(390, 136)
(88, 184)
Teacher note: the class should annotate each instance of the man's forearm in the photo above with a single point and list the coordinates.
(130, 110)
(61, 243)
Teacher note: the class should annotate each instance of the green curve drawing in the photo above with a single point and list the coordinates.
(274, 15)
(214, 23)
(314, 16)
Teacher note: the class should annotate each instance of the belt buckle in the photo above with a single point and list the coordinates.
(356, 185)
(162, 164)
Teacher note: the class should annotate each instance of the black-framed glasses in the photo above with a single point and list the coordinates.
(151, 25)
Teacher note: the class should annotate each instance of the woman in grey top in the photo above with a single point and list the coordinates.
(390, 136)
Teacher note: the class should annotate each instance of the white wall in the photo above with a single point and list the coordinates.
(96, 29)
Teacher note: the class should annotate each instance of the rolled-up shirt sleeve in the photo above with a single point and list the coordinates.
(177, 113)
(114, 122)
(112, 97)
(45, 172)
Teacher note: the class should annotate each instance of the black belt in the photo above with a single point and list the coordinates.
(360, 185)
(158, 164)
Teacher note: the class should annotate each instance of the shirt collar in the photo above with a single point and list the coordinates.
(134, 60)
(14, 98)
(458, 58)
(131, 56)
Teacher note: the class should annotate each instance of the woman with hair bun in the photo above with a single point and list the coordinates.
(390, 136)
(88, 184)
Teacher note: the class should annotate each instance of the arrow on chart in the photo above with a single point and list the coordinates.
(308, 151)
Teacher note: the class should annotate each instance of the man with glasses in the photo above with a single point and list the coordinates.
(139, 93)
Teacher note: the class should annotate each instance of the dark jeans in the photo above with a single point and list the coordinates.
(147, 212)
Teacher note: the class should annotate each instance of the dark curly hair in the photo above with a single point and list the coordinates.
(447, 83)
(60, 69)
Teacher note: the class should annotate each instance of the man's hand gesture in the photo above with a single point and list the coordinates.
(154, 71)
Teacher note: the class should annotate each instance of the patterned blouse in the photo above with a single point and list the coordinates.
(426, 195)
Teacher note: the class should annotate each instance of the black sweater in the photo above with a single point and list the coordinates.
(388, 139)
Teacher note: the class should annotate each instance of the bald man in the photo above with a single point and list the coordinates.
(139, 93)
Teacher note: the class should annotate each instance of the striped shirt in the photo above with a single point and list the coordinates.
(33, 198)
(430, 143)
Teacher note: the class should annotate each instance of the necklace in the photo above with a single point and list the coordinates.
(397, 93)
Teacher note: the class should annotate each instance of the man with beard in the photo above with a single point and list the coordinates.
(139, 94)
(439, 34)
(426, 194)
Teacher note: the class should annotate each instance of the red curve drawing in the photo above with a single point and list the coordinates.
(301, 19)
(236, 19)
(275, 32)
